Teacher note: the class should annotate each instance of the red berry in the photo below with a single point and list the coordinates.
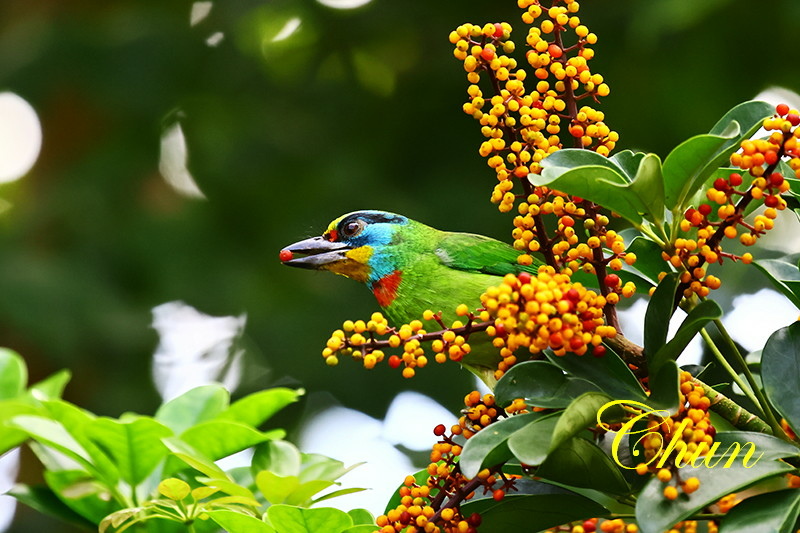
(599, 351)
(793, 118)
(439, 430)
(524, 277)
(405, 517)
(705, 209)
(771, 157)
(589, 527)
(720, 184)
(689, 215)
(487, 54)
(499, 494)
(771, 201)
(475, 519)
(782, 109)
(285, 255)
(776, 179)
(575, 343)
(573, 295)
(735, 179)
(498, 32)
(394, 361)
(555, 51)
(612, 280)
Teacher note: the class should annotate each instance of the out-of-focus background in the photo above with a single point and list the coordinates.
(177, 146)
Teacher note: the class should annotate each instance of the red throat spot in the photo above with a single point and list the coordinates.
(385, 289)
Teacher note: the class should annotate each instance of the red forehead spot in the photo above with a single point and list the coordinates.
(332, 235)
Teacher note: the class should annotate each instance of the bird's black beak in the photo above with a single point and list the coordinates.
(317, 252)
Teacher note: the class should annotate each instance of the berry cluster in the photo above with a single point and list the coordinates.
(434, 507)
(545, 311)
(523, 126)
(694, 434)
(366, 341)
(760, 181)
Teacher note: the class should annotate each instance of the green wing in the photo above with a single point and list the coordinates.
(476, 253)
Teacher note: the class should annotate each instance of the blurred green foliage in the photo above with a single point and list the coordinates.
(356, 109)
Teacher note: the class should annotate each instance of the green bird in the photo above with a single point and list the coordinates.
(411, 267)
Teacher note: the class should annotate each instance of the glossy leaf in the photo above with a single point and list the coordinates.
(597, 183)
(541, 506)
(582, 414)
(580, 463)
(226, 486)
(531, 443)
(780, 367)
(9, 437)
(254, 409)
(316, 466)
(691, 326)
(657, 317)
(690, 164)
(53, 434)
(784, 275)
(276, 489)
(134, 445)
(288, 519)
(13, 374)
(776, 512)
(234, 521)
(193, 458)
(656, 514)
(336, 494)
(541, 384)
(192, 407)
(648, 258)
(664, 388)
(648, 186)
(489, 446)
(44, 500)
(768, 447)
(81, 493)
(628, 162)
(220, 438)
(174, 489)
(51, 387)
(361, 516)
(609, 373)
(278, 456)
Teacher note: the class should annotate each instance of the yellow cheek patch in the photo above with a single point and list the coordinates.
(355, 266)
(360, 254)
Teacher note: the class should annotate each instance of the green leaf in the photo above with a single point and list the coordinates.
(609, 373)
(780, 366)
(648, 186)
(648, 258)
(363, 528)
(774, 511)
(44, 500)
(335, 494)
(600, 184)
(580, 463)
(276, 489)
(690, 164)
(9, 437)
(254, 409)
(691, 326)
(784, 275)
(192, 407)
(51, 387)
(227, 486)
(235, 521)
(13, 374)
(656, 318)
(665, 388)
(290, 519)
(193, 458)
(656, 514)
(174, 489)
(531, 443)
(304, 493)
(771, 447)
(81, 493)
(541, 384)
(317, 466)
(134, 445)
(220, 438)
(53, 434)
(361, 516)
(278, 456)
(541, 506)
(581, 414)
(489, 446)
(628, 162)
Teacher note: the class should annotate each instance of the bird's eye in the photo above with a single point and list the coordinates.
(351, 229)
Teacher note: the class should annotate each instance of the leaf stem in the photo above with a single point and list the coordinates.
(769, 416)
(731, 371)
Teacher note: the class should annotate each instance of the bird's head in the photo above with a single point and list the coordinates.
(355, 245)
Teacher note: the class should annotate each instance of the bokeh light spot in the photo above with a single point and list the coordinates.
(20, 137)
